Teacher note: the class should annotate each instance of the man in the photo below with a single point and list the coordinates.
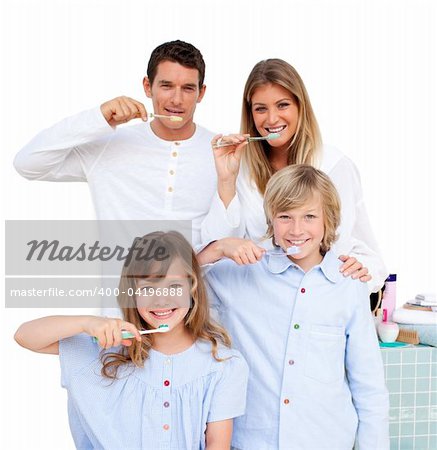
(158, 170)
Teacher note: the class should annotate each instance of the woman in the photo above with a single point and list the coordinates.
(276, 102)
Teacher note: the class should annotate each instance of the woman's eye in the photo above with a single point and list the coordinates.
(260, 109)
(283, 105)
(310, 216)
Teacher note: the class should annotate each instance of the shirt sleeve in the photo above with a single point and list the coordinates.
(229, 396)
(365, 373)
(218, 277)
(75, 353)
(221, 222)
(356, 237)
(67, 150)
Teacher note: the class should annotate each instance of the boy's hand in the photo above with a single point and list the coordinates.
(242, 251)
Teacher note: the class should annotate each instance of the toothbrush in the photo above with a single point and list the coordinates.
(160, 329)
(128, 335)
(220, 144)
(293, 250)
(162, 116)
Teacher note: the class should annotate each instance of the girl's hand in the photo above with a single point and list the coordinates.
(107, 331)
(242, 251)
(227, 159)
(354, 268)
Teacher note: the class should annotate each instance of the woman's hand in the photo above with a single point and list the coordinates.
(354, 268)
(227, 164)
(107, 331)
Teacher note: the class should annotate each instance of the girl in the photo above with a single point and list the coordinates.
(316, 375)
(178, 389)
(275, 101)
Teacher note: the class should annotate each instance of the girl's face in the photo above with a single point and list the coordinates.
(165, 300)
(304, 228)
(275, 111)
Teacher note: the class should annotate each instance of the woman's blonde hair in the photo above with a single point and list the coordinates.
(292, 187)
(306, 144)
(197, 320)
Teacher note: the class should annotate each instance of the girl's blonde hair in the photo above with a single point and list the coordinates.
(292, 187)
(306, 144)
(197, 320)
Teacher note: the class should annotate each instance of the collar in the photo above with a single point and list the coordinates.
(329, 266)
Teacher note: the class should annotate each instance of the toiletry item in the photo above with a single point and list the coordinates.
(388, 331)
(127, 335)
(408, 336)
(221, 143)
(293, 250)
(162, 116)
(160, 329)
(389, 296)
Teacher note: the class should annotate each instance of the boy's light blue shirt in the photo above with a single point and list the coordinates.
(316, 375)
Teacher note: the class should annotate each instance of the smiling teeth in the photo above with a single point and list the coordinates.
(297, 242)
(162, 313)
(275, 130)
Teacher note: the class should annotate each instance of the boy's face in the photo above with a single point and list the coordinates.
(304, 228)
(175, 91)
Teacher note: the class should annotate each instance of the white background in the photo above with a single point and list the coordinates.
(369, 67)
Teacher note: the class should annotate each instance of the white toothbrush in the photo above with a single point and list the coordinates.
(162, 116)
(160, 329)
(293, 250)
(128, 335)
(221, 143)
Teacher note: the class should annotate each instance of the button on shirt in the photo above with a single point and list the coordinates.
(132, 173)
(298, 345)
(164, 405)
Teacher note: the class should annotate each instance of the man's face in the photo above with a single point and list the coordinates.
(175, 91)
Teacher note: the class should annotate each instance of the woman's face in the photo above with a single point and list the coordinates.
(275, 111)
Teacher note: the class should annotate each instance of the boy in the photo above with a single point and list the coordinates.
(316, 375)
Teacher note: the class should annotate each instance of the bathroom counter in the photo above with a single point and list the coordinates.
(411, 377)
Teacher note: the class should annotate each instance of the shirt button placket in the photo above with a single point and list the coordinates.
(171, 178)
(166, 400)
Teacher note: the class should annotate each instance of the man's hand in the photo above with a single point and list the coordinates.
(123, 109)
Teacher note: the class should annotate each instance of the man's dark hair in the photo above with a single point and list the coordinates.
(180, 52)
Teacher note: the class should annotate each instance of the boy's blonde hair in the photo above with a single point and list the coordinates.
(292, 187)
(197, 320)
(305, 146)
